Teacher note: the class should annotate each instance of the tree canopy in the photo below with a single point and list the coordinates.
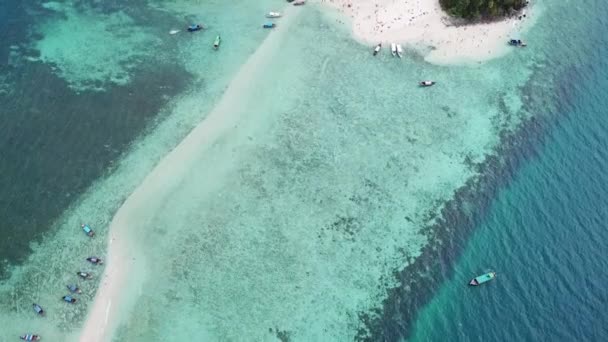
(481, 9)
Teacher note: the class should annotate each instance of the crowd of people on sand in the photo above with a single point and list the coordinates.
(72, 288)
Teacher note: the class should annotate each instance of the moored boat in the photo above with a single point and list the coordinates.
(273, 15)
(517, 42)
(399, 50)
(484, 278)
(87, 230)
(217, 42)
(427, 83)
(84, 275)
(299, 2)
(377, 49)
(38, 309)
(195, 27)
(69, 299)
(269, 25)
(394, 49)
(30, 337)
(95, 260)
(73, 288)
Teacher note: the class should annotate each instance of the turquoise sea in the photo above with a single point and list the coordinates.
(338, 201)
(544, 228)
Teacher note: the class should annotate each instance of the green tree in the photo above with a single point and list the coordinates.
(481, 9)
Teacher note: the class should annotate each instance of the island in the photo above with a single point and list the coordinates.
(440, 31)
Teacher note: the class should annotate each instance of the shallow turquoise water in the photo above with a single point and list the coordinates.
(317, 195)
(296, 220)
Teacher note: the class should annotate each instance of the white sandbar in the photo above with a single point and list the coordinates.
(124, 273)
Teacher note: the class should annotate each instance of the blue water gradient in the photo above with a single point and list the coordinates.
(545, 234)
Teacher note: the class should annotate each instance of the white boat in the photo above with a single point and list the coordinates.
(377, 49)
(426, 83)
(299, 2)
(399, 50)
(273, 15)
(394, 49)
(173, 31)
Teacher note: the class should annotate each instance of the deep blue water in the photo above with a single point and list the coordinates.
(546, 232)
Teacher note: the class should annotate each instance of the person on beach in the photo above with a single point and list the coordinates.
(74, 289)
(95, 260)
(38, 309)
(69, 299)
(84, 275)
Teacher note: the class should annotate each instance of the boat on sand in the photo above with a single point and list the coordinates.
(394, 49)
(399, 50)
(484, 278)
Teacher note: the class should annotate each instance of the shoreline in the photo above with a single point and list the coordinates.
(105, 315)
(113, 286)
(422, 26)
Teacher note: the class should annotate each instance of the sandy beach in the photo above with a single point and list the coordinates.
(423, 26)
(124, 260)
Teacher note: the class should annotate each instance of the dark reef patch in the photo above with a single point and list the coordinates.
(283, 335)
(55, 141)
(348, 226)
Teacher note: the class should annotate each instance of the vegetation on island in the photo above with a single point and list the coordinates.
(482, 9)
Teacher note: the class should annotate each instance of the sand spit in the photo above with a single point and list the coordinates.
(125, 270)
(422, 25)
